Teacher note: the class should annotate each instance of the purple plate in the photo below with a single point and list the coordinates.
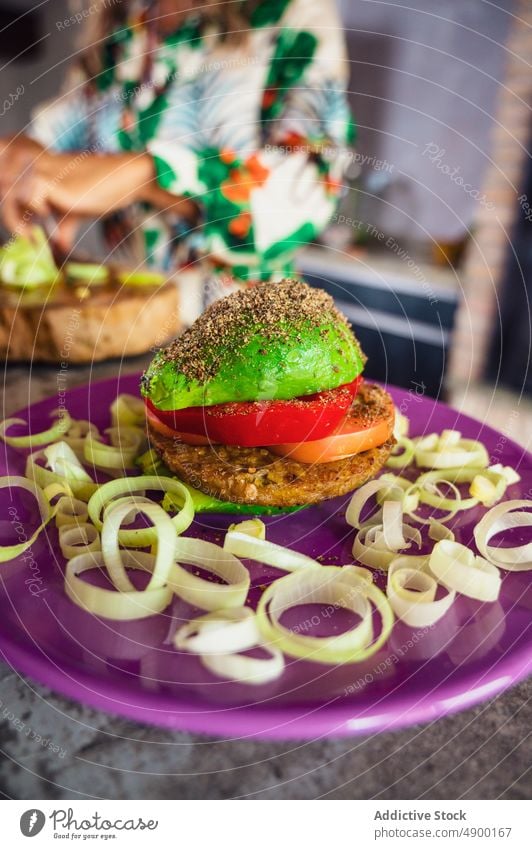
(474, 652)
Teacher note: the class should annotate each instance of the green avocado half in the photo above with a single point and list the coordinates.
(275, 341)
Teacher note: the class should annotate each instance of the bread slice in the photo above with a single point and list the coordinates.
(74, 324)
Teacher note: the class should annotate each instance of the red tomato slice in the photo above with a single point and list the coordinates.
(160, 427)
(255, 423)
(356, 433)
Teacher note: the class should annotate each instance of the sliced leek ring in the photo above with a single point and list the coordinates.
(220, 632)
(327, 586)
(111, 604)
(56, 431)
(457, 568)
(78, 539)
(216, 560)
(502, 517)
(139, 538)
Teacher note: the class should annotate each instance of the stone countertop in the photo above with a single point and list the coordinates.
(53, 748)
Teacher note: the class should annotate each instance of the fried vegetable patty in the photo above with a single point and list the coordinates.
(257, 476)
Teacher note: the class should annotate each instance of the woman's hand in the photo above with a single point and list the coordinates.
(18, 155)
(86, 185)
(76, 185)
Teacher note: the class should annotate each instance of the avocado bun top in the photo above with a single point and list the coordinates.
(273, 341)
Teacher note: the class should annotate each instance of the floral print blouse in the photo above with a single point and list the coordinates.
(255, 134)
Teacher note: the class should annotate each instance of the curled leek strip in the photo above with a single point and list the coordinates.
(134, 503)
(128, 411)
(245, 669)
(405, 456)
(264, 551)
(75, 436)
(62, 460)
(54, 432)
(126, 444)
(369, 547)
(428, 488)
(503, 517)
(166, 542)
(203, 593)
(70, 511)
(449, 450)
(392, 526)
(138, 538)
(78, 539)
(363, 495)
(331, 588)
(489, 485)
(457, 568)
(398, 489)
(79, 488)
(251, 527)
(412, 595)
(356, 572)
(9, 552)
(110, 604)
(435, 498)
(438, 531)
(221, 632)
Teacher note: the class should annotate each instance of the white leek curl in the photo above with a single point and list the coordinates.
(78, 539)
(61, 459)
(220, 632)
(369, 547)
(509, 514)
(126, 443)
(402, 453)
(81, 489)
(457, 568)
(438, 531)
(110, 604)
(70, 511)
(165, 545)
(361, 497)
(141, 537)
(428, 487)
(264, 551)
(54, 432)
(392, 492)
(333, 588)
(412, 594)
(392, 526)
(218, 561)
(76, 434)
(253, 527)
(9, 552)
(127, 410)
(449, 450)
(245, 669)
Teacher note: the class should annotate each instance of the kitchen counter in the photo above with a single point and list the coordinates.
(54, 748)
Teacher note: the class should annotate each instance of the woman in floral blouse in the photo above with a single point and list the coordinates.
(221, 130)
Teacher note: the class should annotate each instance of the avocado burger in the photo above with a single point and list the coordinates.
(261, 402)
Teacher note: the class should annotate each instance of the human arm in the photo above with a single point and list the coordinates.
(74, 184)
